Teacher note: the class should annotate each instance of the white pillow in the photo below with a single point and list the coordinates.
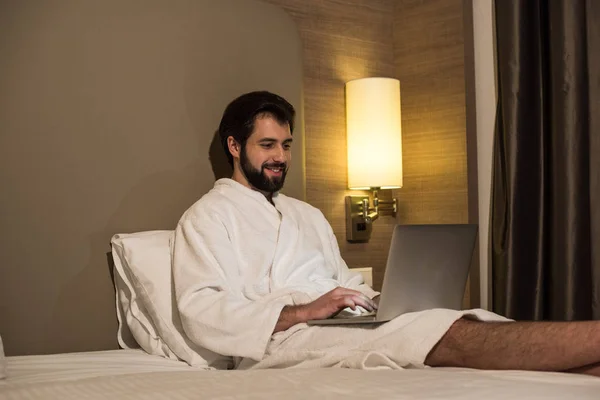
(133, 317)
(2, 361)
(146, 300)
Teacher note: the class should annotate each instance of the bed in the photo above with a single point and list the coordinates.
(172, 66)
(133, 374)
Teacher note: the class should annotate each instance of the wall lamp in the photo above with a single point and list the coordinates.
(374, 140)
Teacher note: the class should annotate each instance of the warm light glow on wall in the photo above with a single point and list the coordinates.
(374, 133)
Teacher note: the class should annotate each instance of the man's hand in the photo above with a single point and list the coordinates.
(326, 306)
(335, 301)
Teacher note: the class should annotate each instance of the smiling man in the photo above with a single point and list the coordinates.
(249, 261)
(251, 266)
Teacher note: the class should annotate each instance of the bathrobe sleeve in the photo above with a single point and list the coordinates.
(347, 278)
(214, 312)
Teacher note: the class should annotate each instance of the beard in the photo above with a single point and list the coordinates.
(258, 178)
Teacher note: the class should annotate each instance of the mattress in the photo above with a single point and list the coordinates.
(132, 374)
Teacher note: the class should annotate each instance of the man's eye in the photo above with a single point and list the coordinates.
(266, 145)
(287, 146)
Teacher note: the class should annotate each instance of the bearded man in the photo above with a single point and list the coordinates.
(251, 266)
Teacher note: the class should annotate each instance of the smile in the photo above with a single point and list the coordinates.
(275, 169)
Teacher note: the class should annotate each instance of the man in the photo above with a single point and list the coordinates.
(251, 266)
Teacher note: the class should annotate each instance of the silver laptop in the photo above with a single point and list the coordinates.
(427, 267)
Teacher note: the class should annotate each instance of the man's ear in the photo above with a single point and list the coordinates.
(234, 147)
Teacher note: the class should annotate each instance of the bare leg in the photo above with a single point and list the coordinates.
(537, 346)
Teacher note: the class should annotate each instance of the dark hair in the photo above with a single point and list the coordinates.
(240, 115)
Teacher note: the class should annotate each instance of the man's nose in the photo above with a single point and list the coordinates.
(279, 154)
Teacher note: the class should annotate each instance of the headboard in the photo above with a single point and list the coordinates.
(108, 115)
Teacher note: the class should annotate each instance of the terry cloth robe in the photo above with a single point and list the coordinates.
(238, 260)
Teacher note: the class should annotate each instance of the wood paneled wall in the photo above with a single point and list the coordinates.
(419, 42)
(429, 61)
(343, 40)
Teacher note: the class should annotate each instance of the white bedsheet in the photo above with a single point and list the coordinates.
(76, 366)
(131, 374)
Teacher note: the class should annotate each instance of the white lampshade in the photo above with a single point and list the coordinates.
(374, 133)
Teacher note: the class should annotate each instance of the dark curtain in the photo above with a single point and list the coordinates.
(545, 212)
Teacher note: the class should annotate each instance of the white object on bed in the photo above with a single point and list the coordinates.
(132, 374)
(367, 274)
(145, 302)
(132, 316)
(2, 360)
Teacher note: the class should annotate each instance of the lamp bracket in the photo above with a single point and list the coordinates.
(377, 204)
(358, 226)
(360, 215)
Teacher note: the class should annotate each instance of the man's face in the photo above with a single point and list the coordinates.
(265, 158)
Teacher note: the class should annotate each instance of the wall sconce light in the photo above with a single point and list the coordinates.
(374, 136)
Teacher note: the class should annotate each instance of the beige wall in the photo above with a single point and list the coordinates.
(419, 42)
(107, 117)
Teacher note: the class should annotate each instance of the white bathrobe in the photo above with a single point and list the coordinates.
(238, 260)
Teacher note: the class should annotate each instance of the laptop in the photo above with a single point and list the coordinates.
(427, 267)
